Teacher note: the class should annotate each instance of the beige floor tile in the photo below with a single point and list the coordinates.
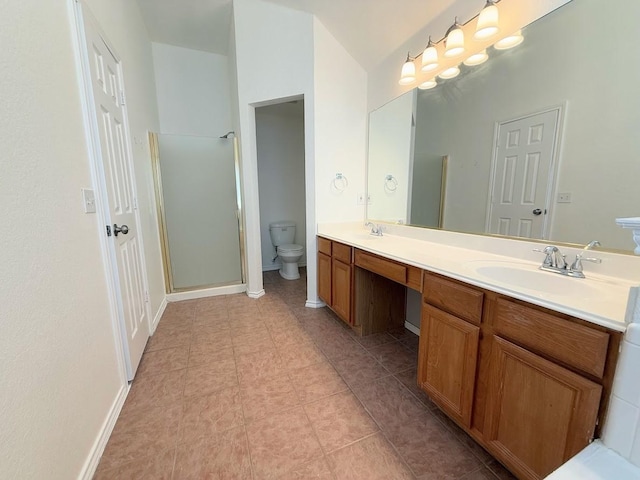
(258, 366)
(163, 389)
(252, 342)
(388, 402)
(155, 467)
(482, 474)
(339, 420)
(207, 415)
(374, 340)
(394, 356)
(316, 381)
(409, 378)
(299, 355)
(356, 366)
(206, 353)
(371, 459)
(163, 361)
(169, 335)
(141, 434)
(267, 397)
(210, 378)
(282, 442)
(221, 456)
(314, 470)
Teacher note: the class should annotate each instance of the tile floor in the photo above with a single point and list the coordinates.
(235, 388)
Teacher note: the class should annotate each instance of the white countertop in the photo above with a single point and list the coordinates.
(599, 299)
(596, 462)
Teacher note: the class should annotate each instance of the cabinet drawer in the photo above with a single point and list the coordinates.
(460, 300)
(342, 252)
(387, 268)
(324, 246)
(571, 343)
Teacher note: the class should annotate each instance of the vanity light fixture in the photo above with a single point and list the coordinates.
(429, 57)
(454, 41)
(450, 72)
(428, 84)
(408, 74)
(476, 58)
(509, 41)
(487, 25)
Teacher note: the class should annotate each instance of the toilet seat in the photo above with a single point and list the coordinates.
(290, 248)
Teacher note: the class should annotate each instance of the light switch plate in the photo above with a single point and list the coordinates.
(564, 197)
(89, 200)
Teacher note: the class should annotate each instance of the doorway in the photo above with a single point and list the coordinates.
(280, 146)
(522, 175)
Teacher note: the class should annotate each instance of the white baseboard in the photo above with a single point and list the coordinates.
(207, 292)
(91, 464)
(412, 328)
(158, 316)
(315, 304)
(257, 294)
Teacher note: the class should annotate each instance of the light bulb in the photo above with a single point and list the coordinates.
(454, 42)
(428, 84)
(450, 72)
(487, 21)
(509, 41)
(408, 74)
(429, 57)
(476, 59)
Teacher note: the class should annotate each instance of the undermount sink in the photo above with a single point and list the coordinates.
(528, 277)
(364, 236)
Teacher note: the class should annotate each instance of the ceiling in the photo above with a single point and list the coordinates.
(370, 30)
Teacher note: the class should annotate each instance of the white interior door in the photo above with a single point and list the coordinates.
(523, 176)
(126, 249)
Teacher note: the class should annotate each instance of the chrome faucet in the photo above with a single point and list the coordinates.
(375, 229)
(576, 267)
(555, 262)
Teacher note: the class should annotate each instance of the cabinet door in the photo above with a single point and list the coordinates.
(341, 289)
(447, 361)
(538, 414)
(324, 277)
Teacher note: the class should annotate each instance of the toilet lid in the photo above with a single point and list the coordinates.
(289, 248)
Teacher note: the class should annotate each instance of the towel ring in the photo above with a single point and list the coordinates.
(390, 183)
(340, 183)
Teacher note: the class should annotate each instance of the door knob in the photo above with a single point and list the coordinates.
(120, 229)
(537, 212)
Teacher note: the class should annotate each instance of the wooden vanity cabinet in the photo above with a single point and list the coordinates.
(449, 340)
(528, 384)
(335, 277)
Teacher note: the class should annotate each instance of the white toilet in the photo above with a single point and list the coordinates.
(282, 236)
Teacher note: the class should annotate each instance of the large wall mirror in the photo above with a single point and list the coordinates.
(542, 141)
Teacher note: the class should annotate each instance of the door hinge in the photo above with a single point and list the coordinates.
(146, 297)
(135, 203)
(108, 230)
(122, 99)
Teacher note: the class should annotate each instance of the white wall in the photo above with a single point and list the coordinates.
(340, 88)
(280, 142)
(271, 43)
(193, 91)
(59, 372)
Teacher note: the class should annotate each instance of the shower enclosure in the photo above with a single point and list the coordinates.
(198, 195)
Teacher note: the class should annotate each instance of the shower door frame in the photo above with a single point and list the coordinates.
(162, 223)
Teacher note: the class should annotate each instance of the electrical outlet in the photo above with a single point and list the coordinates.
(368, 199)
(564, 197)
(360, 199)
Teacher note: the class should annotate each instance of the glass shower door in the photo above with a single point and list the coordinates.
(196, 179)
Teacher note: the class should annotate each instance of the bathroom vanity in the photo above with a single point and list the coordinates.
(527, 374)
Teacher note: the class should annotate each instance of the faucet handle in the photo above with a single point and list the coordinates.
(548, 251)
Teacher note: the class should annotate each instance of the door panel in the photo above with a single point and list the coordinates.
(447, 361)
(523, 175)
(531, 399)
(106, 77)
(324, 277)
(341, 289)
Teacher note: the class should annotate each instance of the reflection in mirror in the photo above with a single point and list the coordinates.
(549, 127)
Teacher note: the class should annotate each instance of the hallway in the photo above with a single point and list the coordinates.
(231, 387)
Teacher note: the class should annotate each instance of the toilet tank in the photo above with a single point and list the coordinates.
(282, 233)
